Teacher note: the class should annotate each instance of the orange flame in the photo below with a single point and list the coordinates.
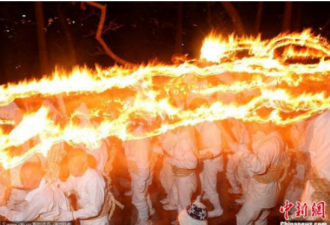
(243, 78)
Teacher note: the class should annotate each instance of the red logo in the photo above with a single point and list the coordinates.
(285, 209)
(317, 209)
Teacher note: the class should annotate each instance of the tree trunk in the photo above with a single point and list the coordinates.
(178, 40)
(259, 15)
(235, 17)
(41, 38)
(67, 32)
(287, 16)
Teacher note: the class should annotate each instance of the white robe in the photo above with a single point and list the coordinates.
(44, 203)
(166, 175)
(210, 140)
(138, 152)
(268, 150)
(101, 153)
(11, 112)
(236, 172)
(294, 190)
(318, 145)
(182, 153)
(90, 191)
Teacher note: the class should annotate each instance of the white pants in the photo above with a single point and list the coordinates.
(99, 221)
(242, 177)
(252, 213)
(167, 181)
(209, 176)
(231, 171)
(139, 197)
(186, 186)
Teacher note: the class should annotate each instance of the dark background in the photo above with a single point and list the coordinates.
(139, 31)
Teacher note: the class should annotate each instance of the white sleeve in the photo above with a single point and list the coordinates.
(96, 193)
(37, 205)
(260, 162)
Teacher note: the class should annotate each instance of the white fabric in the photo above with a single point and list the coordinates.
(268, 150)
(167, 180)
(294, 190)
(139, 152)
(239, 130)
(231, 170)
(252, 213)
(318, 145)
(182, 151)
(235, 171)
(45, 202)
(166, 174)
(11, 112)
(90, 190)
(100, 154)
(139, 196)
(210, 140)
(185, 186)
(16, 197)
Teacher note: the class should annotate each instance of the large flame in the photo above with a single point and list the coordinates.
(283, 80)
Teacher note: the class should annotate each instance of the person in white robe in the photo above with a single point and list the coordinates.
(299, 155)
(318, 145)
(263, 189)
(183, 159)
(209, 144)
(43, 201)
(88, 186)
(100, 149)
(138, 154)
(166, 174)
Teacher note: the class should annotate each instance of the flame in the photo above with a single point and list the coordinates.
(245, 78)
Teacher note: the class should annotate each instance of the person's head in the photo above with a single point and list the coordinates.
(194, 214)
(31, 175)
(77, 162)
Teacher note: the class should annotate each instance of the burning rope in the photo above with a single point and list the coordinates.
(260, 86)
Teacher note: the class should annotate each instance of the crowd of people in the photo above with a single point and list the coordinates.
(260, 158)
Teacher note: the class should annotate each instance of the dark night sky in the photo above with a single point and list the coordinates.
(147, 31)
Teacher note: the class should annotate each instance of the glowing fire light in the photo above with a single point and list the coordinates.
(243, 78)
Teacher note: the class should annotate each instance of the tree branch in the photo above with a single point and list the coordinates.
(235, 17)
(98, 35)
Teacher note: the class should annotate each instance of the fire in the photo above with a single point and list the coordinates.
(245, 78)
